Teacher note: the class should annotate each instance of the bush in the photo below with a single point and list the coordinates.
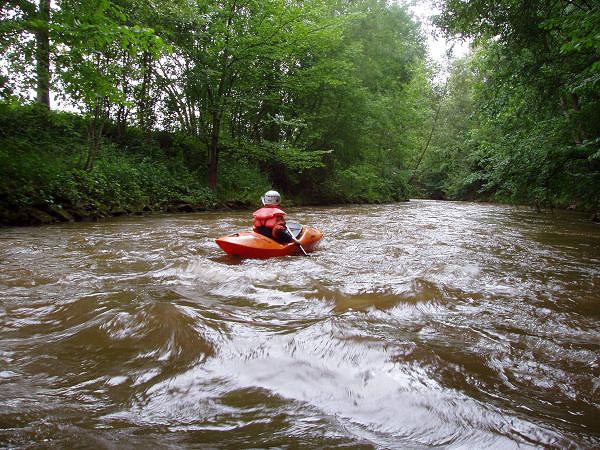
(365, 184)
(241, 183)
(41, 156)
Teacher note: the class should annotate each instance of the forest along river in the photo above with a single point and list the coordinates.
(414, 325)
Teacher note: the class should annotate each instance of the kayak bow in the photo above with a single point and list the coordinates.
(249, 244)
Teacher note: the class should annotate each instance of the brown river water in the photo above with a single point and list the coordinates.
(414, 325)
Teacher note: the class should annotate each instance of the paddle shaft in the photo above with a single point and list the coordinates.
(296, 241)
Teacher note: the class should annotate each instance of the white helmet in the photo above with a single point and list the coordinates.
(271, 198)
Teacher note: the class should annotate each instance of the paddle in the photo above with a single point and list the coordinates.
(296, 240)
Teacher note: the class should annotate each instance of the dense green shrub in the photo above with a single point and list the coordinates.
(42, 176)
(365, 184)
(43, 179)
(242, 182)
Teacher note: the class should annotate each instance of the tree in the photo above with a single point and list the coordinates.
(95, 35)
(290, 93)
(42, 54)
(19, 21)
(536, 136)
(220, 49)
(364, 105)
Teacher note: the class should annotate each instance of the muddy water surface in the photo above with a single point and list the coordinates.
(414, 325)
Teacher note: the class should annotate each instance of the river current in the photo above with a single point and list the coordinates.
(414, 325)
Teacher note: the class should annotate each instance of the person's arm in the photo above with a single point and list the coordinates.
(280, 231)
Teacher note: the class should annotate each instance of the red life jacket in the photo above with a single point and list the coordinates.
(266, 216)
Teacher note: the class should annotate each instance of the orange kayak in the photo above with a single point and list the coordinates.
(249, 244)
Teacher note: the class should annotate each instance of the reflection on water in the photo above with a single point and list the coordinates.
(431, 324)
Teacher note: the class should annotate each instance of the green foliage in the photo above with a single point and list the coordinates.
(361, 103)
(364, 184)
(241, 184)
(117, 184)
(580, 26)
(44, 171)
(94, 36)
(278, 153)
(521, 121)
(319, 99)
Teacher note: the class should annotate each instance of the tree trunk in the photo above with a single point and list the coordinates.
(123, 110)
(213, 151)
(433, 125)
(571, 103)
(144, 109)
(94, 135)
(122, 114)
(216, 116)
(42, 55)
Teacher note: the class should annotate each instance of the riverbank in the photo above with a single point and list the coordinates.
(46, 177)
(51, 171)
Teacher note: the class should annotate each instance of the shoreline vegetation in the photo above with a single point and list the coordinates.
(44, 181)
(189, 106)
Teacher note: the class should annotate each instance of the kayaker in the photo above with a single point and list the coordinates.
(269, 220)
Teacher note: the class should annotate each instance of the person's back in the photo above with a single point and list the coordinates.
(269, 220)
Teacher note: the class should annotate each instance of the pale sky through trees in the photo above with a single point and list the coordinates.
(437, 44)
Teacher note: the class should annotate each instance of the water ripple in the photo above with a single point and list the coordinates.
(450, 325)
